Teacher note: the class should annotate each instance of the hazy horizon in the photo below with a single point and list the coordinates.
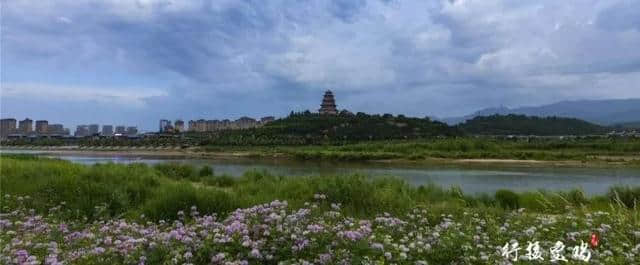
(135, 62)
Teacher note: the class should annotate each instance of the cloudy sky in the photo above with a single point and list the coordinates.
(135, 61)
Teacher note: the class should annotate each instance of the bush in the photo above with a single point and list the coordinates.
(627, 196)
(205, 171)
(220, 181)
(363, 196)
(169, 200)
(507, 199)
(576, 197)
(177, 171)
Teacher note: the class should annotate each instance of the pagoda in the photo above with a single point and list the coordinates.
(328, 105)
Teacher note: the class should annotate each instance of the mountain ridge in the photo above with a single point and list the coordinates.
(603, 112)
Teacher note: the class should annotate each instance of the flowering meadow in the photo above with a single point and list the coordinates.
(56, 212)
(319, 233)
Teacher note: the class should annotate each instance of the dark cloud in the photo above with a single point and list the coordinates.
(225, 58)
(622, 16)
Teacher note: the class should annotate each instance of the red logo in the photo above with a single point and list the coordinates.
(594, 240)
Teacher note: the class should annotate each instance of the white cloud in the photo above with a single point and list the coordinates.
(120, 97)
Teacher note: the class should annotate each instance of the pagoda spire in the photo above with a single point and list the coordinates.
(328, 105)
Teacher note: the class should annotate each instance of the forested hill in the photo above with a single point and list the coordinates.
(360, 126)
(301, 128)
(513, 124)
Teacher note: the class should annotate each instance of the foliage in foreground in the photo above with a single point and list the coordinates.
(318, 233)
(56, 211)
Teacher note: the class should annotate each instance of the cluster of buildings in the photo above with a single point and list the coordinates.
(328, 107)
(625, 133)
(11, 128)
(107, 130)
(202, 125)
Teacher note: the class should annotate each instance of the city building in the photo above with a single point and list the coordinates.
(94, 129)
(121, 130)
(267, 119)
(165, 125)
(132, 130)
(25, 126)
(41, 127)
(179, 125)
(7, 126)
(328, 105)
(82, 131)
(107, 130)
(202, 125)
(55, 129)
(245, 122)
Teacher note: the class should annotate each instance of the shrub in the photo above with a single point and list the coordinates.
(627, 196)
(507, 199)
(220, 181)
(205, 171)
(169, 200)
(176, 171)
(576, 197)
(364, 196)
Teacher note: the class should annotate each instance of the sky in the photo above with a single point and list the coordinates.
(133, 62)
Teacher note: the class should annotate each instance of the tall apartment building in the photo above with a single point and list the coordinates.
(164, 125)
(132, 130)
(7, 126)
(120, 129)
(41, 127)
(25, 126)
(82, 130)
(179, 125)
(107, 130)
(55, 129)
(94, 129)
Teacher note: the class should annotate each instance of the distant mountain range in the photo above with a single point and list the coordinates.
(604, 112)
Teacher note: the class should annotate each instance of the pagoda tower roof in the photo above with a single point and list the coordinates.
(328, 105)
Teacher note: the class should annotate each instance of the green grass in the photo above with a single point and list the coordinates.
(457, 148)
(159, 192)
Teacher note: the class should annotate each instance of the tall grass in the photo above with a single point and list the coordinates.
(159, 192)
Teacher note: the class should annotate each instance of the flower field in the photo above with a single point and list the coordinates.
(319, 233)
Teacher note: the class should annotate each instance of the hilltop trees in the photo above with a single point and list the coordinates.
(524, 125)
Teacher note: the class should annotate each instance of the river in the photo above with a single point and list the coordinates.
(472, 179)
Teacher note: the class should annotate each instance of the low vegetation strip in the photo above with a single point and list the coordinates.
(624, 151)
(57, 211)
(619, 150)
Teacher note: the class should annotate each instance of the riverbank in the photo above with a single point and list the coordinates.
(121, 214)
(289, 153)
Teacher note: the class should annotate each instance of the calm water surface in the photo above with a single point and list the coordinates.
(472, 178)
